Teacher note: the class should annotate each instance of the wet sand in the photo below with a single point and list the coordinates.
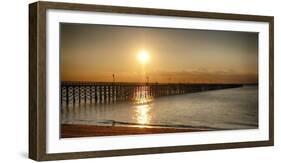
(73, 130)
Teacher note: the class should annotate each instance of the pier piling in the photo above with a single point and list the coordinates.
(105, 93)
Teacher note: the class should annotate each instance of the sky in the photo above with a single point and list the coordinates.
(90, 52)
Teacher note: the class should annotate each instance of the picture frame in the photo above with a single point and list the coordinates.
(39, 73)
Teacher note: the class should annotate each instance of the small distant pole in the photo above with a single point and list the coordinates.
(113, 78)
(147, 79)
(114, 88)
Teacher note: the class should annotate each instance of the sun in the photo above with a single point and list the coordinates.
(143, 57)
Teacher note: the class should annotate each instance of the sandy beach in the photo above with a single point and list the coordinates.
(73, 130)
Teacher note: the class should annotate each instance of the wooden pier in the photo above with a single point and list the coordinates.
(104, 93)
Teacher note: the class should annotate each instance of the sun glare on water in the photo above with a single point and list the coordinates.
(143, 114)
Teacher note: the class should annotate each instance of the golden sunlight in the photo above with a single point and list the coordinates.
(143, 57)
(143, 114)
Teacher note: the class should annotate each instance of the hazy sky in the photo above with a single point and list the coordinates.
(95, 52)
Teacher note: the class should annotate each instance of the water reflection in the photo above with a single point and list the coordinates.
(229, 109)
(143, 114)
(142, 95)
(142, 111)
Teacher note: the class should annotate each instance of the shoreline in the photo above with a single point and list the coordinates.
(81, 130)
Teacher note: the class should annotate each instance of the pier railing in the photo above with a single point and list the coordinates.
(102, 92)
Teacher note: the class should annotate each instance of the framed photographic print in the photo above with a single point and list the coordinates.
(111, 81)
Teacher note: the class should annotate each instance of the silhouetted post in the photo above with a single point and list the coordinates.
(109, 93)
(79, 95)
(100, 94)
(105, 94)
(117, 92)
(74, 93)
(85, 93)
(96, 94)
(61, 92)
(113, 93)
(67, 98)
(91, 96)
(122, 93)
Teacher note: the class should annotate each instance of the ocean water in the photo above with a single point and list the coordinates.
(235, 108)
